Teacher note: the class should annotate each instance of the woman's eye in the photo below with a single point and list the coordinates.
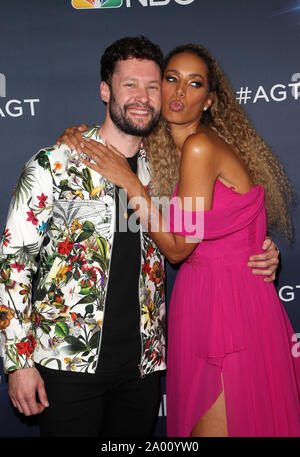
(171, 79)
(196, 84)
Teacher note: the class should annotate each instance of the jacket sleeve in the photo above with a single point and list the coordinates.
(29, 212)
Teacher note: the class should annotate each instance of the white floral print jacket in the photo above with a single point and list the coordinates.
(64, 212)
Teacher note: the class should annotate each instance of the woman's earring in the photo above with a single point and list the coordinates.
(205, 108)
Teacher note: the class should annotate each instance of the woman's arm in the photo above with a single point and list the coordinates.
(72, 137)
(197, 177)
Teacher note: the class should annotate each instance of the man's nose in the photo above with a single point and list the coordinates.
(142, 95)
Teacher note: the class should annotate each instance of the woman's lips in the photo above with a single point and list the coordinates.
(176, 105)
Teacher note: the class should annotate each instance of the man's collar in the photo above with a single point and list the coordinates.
(93, 132)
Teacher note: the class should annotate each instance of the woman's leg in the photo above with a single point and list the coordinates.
(213, 423)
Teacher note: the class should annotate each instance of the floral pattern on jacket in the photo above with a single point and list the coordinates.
(64, 212)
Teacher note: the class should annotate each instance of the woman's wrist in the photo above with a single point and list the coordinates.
(134, 187)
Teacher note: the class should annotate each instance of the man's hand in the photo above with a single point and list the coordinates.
(72, 137)
(22, 388)
(267, 263)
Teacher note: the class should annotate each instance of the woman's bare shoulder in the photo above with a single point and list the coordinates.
(205, 144)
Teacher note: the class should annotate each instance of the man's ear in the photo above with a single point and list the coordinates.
(105, 91)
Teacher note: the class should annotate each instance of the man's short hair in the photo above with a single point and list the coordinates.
(127, 48)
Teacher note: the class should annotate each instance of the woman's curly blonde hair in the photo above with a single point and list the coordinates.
(230, 121)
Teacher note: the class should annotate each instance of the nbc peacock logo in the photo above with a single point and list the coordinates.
(83, 4)
(96, 4)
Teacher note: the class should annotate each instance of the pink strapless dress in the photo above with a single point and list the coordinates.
(224, 320)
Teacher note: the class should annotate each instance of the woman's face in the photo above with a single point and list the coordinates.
(185, 89)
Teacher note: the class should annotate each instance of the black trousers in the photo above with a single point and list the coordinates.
(94, 405)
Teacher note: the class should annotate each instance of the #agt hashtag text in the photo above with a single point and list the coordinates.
(277, 93)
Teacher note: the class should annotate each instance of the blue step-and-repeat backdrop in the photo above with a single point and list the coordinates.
(49, 80)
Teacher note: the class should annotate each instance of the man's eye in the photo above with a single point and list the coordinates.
(154, 87)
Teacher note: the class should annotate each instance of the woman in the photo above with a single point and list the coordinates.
(230, 368)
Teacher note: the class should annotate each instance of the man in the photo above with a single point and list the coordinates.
(92, 346)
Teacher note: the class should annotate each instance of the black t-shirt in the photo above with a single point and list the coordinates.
(121, 339)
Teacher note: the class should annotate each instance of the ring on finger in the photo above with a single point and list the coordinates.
(94, 159)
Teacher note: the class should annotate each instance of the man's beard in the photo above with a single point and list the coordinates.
(125, 124)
